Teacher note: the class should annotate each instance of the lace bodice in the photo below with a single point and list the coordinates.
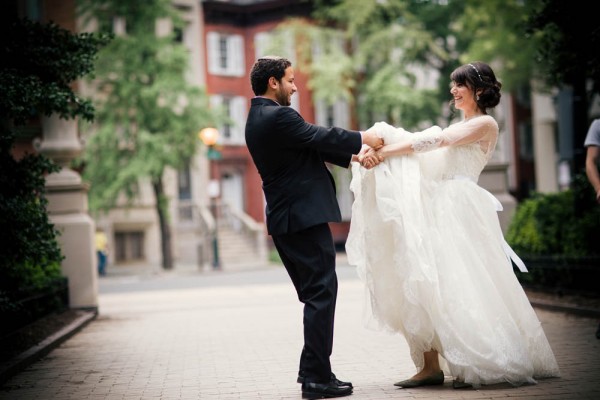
(465, 160)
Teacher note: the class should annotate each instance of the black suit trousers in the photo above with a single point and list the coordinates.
(309, 258)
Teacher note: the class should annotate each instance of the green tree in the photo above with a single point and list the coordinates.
(39, 63)
(387, 45)
(392, 48)
(391, 43)
(147, 113)
(569, 57)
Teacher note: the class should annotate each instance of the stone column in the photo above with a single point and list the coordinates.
(544, 142)
(68, 211)
(494, 178)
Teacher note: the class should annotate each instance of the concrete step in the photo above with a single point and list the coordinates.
(236, 248)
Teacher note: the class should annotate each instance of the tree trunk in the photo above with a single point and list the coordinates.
(165, 229)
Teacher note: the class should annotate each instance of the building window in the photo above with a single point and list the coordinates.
(178, 35)
(526, 141)
(232, 131)
(226, 129)
(33, 10)
(225, 54)
(222, 55)
(129, 246)
(330, 116)
(337, 114)
(184, 186)
(184, 183)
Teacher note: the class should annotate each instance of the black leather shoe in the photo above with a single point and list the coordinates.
(334, 379)
(311, 390)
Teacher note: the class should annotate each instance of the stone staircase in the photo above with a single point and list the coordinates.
(241, 241)
(237, 250)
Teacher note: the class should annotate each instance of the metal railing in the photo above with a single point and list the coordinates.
(203, 219)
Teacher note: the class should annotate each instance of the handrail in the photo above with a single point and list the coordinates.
(254, 230)
(206, 226)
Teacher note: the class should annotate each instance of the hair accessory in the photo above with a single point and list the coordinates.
(270, 58)
(478, 74)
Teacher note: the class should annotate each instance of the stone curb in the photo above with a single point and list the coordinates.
(23, 360)
(567, 308)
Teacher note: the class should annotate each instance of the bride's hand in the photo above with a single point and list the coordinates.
(368, 158)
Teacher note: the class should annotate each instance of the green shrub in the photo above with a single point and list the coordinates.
(30, 253)
(557, 236)
(565, 223)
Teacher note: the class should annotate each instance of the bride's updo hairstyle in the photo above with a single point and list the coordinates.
(479, 76)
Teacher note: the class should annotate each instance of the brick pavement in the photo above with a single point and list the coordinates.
(243, 341)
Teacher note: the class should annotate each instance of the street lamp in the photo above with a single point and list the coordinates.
(209, 137)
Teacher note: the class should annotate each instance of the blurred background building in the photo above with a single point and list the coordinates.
(216, 202)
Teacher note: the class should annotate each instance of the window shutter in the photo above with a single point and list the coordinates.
(238, 115)
(235, 53)
(320, 113)
(341, 115)
(215, 103)
(261, 43)
(296, 102)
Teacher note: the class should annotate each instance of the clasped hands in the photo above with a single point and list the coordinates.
(369, 157)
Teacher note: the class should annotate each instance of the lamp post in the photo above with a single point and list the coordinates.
(209, 137)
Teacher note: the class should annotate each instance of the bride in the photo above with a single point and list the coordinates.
(427, 243)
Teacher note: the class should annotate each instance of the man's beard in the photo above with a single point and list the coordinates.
(283, 98)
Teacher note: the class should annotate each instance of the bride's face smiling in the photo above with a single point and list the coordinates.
(464, 97)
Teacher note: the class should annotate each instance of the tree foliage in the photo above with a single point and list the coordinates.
(39, 63)
(569, 40)
(388, 45)
(148, 115)
(393, 45)
(496, 32)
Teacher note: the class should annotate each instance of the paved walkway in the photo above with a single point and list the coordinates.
(221, 335)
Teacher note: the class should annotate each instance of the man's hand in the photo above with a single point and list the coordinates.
(371, 139)
(368, 157)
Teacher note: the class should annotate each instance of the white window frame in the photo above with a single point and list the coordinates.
(238, 113)
(234, 54)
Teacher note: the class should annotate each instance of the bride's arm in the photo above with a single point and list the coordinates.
(433, 138)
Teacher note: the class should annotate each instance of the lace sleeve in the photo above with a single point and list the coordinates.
(427, 140)
(482, 129)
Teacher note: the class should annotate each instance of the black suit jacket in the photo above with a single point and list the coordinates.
(290, 156)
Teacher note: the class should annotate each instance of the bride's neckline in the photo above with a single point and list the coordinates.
(473, 117)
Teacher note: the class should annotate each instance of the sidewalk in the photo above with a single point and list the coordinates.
(237, 335)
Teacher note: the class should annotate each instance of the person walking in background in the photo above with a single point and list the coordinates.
(101, 251)
(592, 159)
(290, 155)
(592, 165)
(427, 242)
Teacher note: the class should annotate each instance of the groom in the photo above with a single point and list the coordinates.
(290, 156)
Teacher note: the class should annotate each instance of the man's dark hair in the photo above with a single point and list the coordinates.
(263, 69)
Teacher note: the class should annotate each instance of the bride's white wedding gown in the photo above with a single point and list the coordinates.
(427, 242)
